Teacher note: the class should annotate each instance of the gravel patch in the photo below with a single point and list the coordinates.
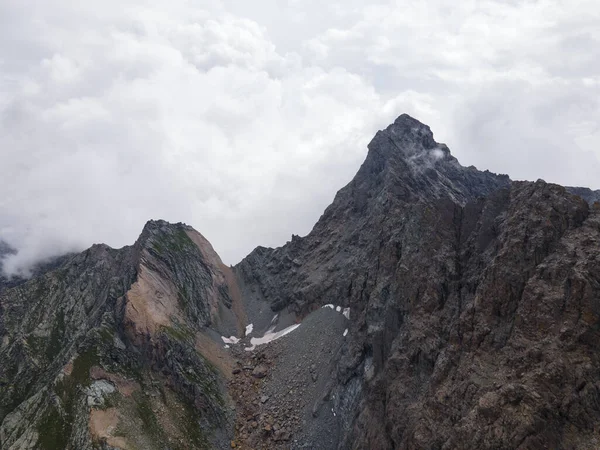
(290, 405)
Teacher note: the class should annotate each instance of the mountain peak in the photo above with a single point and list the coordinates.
(408, 129)
(159, 224)
(406, 140)
(405, 120)
(160, 229)
(404, 159)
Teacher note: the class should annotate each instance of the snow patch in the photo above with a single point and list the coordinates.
(230, 340)
(344, 311)
(98, 390)
(249, 329)
(227, 346)
(345, 332)
(270, 336)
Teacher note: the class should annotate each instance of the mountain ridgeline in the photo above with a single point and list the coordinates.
(471, 320)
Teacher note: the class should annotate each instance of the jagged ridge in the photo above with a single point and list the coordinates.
(474, 319)
(131, 323)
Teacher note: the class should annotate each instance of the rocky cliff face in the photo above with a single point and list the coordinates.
(110, 350)
(474, 300)
(473, 305)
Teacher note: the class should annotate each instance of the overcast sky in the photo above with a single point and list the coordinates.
(243, 118)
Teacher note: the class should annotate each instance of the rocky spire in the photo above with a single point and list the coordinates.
(404, 162)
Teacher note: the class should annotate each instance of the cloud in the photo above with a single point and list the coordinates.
(244, 119)
(512, 86)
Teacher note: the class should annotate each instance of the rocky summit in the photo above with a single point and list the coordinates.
(433, 306)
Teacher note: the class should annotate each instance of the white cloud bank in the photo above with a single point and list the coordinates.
(244, 119)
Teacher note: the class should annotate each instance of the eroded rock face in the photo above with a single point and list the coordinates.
(474, 300)
(110, 348)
